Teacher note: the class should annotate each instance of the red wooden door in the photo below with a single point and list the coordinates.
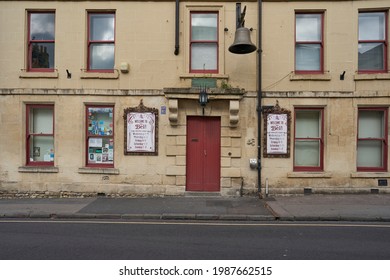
(203, 153)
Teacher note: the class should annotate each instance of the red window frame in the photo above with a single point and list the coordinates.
(384, 140)
(90, 42)
(320, 167)
(320, 43)
(384, 42)
(89, 136)
(31, 41)
(29, 134)
(192, 42)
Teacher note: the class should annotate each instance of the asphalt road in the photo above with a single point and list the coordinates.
(75, 240)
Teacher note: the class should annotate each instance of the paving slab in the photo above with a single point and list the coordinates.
(331, 207)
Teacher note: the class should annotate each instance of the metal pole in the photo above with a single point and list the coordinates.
(259, 95)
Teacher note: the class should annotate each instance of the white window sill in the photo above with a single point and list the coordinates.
(370, 77)
(38, 169)
(309, 174)
(370, 175)
(98, 170)
(38, 75)
(310, 77)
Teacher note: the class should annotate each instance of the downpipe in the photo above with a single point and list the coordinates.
(177, 23)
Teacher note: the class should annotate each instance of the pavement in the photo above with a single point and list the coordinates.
(313, 207)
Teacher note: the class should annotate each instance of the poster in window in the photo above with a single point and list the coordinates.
(141, 130)
(276, 132)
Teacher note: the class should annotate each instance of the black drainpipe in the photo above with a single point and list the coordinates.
(259, 96)
(177, 23)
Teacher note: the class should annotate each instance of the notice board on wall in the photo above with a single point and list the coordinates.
(141, 130)
(277, 122)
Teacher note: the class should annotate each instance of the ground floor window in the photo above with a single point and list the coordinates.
(308, 139)
(100, 136)
(372, 139)
(40, 134)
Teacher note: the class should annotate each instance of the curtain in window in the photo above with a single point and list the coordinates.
(307, 148)
(40, 134)
(370, 148)
(204, 42)
(308, 37)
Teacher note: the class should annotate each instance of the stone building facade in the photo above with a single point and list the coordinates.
(102, 97)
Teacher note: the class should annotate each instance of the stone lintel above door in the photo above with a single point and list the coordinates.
(233, 96)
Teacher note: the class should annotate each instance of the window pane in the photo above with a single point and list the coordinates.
(42, 55)
(204, 27)
(102, 27)
(371, 124)
(371, 26)
(369, 153)
(308, 57)
(307, 124)
(41, 148)
(100, 121)
(101, 150)
(101, 56)
(41, 120)
(371, 56)
(204, 57)
(42, 26)
(307, 153)
(308, 27)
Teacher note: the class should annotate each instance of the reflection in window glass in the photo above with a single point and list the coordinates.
(41, 40)
(102, 27)
(102, 56)
(372, 46)
(100, 136)
(101, 41)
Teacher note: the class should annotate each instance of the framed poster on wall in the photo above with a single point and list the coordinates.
(141, 130)
(276, 132)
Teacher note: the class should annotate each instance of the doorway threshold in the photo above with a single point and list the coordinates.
(202, 194)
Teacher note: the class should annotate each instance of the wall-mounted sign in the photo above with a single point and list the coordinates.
(141, 130)
(277, 132)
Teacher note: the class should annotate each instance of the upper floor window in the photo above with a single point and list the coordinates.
(40, 134)
(309, 47)
(41, 41)
(372, 139)
(308, 139)
(204, 42)
(101, 41)
(372, 50)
